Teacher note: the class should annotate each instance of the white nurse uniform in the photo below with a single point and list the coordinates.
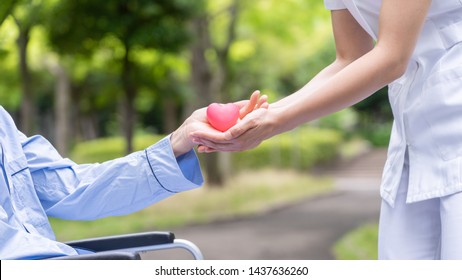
(421, 216)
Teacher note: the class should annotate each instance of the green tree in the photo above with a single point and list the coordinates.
(210, 75)
(9, 80)
(5, 8)
(281, 45)
(26, 14)
(80, 26)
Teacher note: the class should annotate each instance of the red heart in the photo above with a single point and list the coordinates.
(222, 116)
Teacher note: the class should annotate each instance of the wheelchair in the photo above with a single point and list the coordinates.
(130, 246)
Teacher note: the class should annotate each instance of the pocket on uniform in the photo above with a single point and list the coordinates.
(449, 23)
(442, 110)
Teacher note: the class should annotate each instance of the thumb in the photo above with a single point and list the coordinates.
(234, 132)
(242, 126)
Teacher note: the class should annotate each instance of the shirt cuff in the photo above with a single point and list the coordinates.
(174, 174)
(334, 4)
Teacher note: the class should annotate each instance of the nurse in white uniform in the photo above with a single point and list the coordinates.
(414, 47)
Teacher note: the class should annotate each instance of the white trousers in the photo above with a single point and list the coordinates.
(430, 229)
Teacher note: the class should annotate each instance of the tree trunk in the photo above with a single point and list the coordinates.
(27, 110)
(201, 73)
(62, 110)
(88, 126)
(202, 81)
(170, 111)
(209, 87)
(128, 100)
(222, 77)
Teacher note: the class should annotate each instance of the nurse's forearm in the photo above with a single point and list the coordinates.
(399, 30)
(319, 80)
(348, 86)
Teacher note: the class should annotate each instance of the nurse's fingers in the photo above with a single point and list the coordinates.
(263, 102)
(204, 149)
(208, 146)
(254, 98)
(217, 137)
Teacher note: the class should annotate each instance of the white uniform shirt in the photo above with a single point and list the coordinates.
(426, 103)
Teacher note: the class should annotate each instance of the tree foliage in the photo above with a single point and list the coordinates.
(79, 26)
(131, 62)
(82, 26)
(5, 8)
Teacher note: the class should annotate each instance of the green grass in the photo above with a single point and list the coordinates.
(359, 244)
(299, 149)
(248, 193)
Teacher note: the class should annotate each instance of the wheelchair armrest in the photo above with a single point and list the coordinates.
(118, 255)
(129, 246)
(120, 242)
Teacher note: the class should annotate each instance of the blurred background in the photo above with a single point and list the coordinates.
(101, 79)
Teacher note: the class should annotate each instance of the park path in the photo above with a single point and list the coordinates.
(303, 230)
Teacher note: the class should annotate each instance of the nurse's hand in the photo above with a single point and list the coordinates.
(248, 133)
(181, 139)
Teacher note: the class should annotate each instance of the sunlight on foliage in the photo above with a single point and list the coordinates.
(242, 50)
